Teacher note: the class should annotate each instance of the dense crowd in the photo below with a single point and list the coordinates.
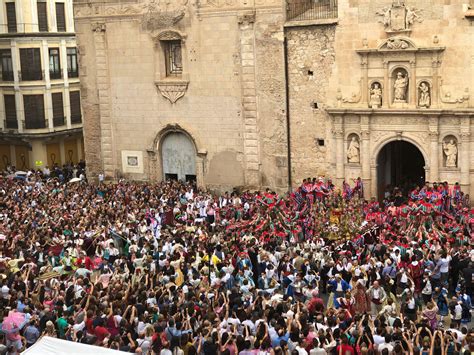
(169, 269)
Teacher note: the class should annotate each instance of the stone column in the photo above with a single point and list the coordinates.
(465, 149)
(52, 25)
(102, 77)
(47, 93)
(386, 85)
(435, 85)
(200, 172)
(364, 81)
(365, 153)
(340, 156)
(434, 149)
(249, 99)
(412, 83)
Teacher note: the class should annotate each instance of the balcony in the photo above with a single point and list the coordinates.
(55, 74)
(39, 124)
(10, 124)
(310, 10)
(59, 121)
(7, 76)
(30, 75)
(72, 73)
(75, 119)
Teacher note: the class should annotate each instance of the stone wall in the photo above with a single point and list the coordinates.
(270, 84)
(89, 100)
(311, 60)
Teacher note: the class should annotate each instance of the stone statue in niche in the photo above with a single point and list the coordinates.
(450, 149)
(400, 88)
(424, 97)
(375, 96)
(353, 152)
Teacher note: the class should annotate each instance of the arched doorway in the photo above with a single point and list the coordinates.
(399, 164)
(178, 155)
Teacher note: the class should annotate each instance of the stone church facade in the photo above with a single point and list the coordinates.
(264, 93)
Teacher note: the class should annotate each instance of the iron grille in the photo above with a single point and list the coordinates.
(303, 10)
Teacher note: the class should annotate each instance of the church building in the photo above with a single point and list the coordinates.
(265, 93)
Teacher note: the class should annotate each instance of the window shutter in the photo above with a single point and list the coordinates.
(58, 109)
(11, 17)
(30, 64)
(60, 17)
(42, 17)
(75, 103)
(10, 111)
(34, 111)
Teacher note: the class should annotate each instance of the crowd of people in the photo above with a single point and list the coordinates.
(169, 269)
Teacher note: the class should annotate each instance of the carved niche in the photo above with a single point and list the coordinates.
(390, 75)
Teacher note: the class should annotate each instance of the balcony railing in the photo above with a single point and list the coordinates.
(10, 124)
(304, 10)
(30, 75)
(7, 76)
(35, 124)
(59, 121)
(73, 73)
(76, 119)
(54, 74)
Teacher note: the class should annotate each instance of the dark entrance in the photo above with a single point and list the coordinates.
(399, 164)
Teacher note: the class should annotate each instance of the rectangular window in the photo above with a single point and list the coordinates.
(75, 103)
(10, 111)
(54, 64)
(11, 17)
(60, 17)
(174, 64)
(58, 109)
(30, 59)
(42, 17)
(72, 68)
(34, 111)
(6, 63)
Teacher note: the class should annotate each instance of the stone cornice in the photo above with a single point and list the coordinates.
(399, 112)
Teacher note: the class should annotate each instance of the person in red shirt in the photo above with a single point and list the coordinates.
(315, 304)
(101, 332)
(344, 348)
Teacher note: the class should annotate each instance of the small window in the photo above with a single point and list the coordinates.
(174, 63)
(42, 17)
(60, 17)
(11, 17)
(34, 111)
(30, 60)
(72, 68)
(7, 65)
(54, 64)
(58, 109)
(75, 103)
(10, 112)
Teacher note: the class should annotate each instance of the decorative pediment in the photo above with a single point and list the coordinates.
(397, 43)
(168, 34)
(172, 90)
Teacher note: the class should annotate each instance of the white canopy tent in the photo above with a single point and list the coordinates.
(53, 346)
